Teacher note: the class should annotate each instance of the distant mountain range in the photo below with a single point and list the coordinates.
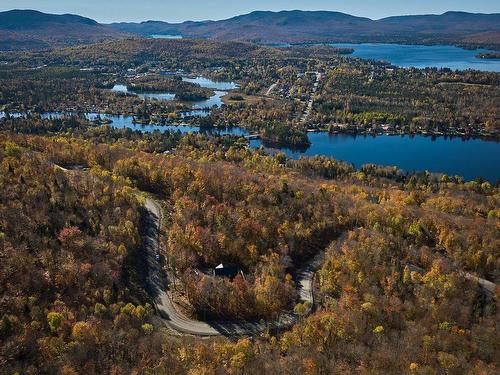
(31, 29)
(305, 26)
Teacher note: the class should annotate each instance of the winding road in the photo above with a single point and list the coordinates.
(175, 320)
(157, 285)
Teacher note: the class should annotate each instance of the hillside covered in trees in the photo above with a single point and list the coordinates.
(30, 29)
(336, 268)
(393, 294)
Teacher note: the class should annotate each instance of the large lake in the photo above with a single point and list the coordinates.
(420, 56)
(453, 156)
(470, 159)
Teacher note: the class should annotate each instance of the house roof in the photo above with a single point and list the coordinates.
(226, 265)
(226, 270)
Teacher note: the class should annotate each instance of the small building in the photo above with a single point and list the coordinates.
(226, 270)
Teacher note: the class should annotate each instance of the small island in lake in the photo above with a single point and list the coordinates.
(488, 55)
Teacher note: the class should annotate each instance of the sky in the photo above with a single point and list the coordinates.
(106, 11)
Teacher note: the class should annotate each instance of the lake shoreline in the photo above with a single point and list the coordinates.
(164, 121)
(470, 158)
(454, 134)
(421, 56)
(468, 47)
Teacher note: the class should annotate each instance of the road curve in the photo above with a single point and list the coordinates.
(172, 318)
(157, 285)
(175, 320)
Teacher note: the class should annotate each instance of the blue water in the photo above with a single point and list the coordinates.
(420, 56)
(165, 36)
(220, 88)
(148, 95)
(125, 121)
(453, 156)
(215, 100)
(209, 84)
(159, 96)
(122, 122)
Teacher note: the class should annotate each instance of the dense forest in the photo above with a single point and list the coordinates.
(439, 101)
(404, 266)
(393, 294)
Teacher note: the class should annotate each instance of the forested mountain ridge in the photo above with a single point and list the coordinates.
(32, 19)
(29, 29)
(307, 26)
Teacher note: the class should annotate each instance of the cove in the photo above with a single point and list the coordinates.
(420, 56)
(220, 89)
(470, 158)
(453, 156)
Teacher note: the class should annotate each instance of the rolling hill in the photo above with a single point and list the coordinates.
(307, 26)
(29, 29)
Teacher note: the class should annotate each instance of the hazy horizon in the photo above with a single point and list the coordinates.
(196, 10)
